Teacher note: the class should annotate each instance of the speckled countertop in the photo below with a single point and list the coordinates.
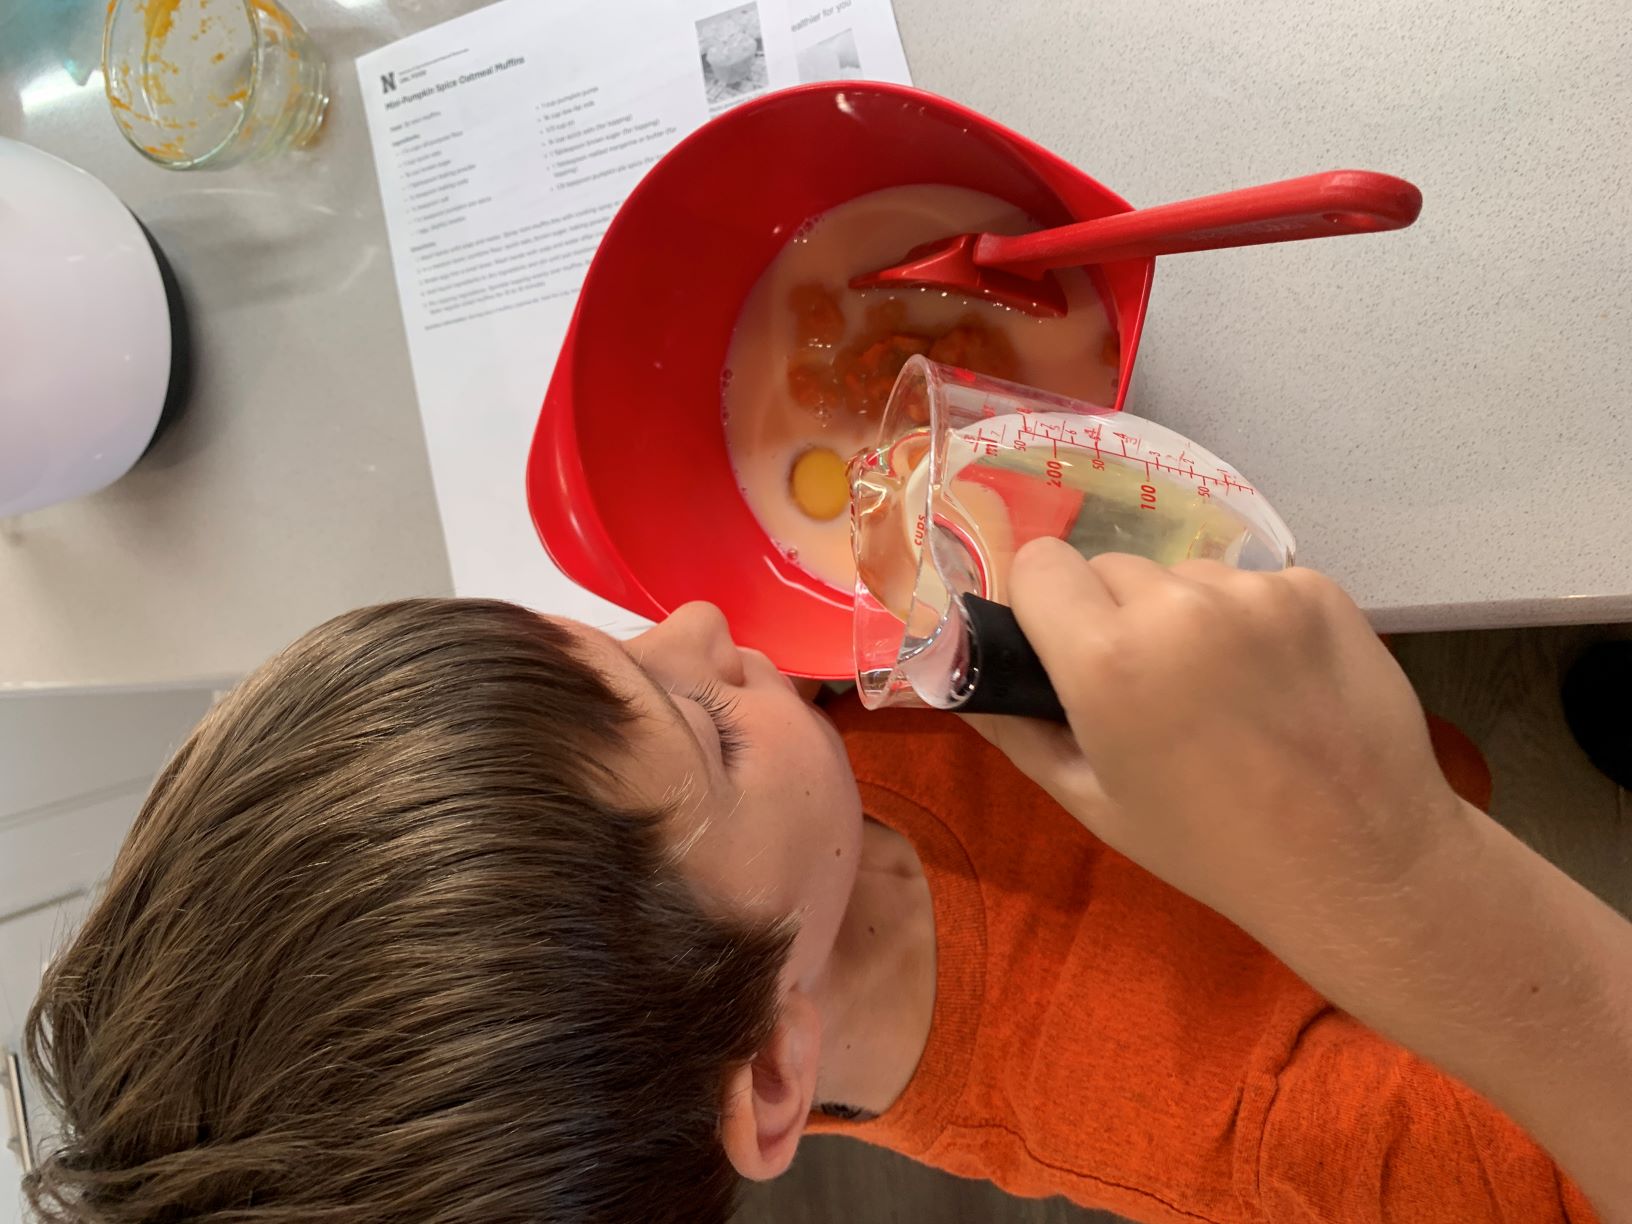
(1444, 415)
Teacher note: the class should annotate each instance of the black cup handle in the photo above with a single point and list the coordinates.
(1009, 677)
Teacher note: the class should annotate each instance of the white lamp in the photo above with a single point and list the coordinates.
(92, 350)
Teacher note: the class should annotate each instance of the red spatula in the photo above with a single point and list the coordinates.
(1014, 271)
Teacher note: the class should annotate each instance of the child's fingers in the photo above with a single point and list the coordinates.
(1069, 610)
(1047, 753)
(1016, 736)
(1064, 607)
(1049, 567)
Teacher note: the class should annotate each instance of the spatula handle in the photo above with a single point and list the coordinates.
(1314, 206)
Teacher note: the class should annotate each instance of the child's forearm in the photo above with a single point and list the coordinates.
(1516, 980)
(1247, 738)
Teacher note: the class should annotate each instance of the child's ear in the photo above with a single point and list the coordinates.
(768, 1098)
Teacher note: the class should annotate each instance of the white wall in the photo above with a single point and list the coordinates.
(73, 771)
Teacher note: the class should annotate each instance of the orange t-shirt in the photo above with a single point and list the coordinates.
(1099, 1035)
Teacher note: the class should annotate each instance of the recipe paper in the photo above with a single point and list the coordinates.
(504, 141)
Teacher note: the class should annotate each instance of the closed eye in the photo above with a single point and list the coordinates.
(722, 712)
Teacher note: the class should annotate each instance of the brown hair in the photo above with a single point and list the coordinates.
(378, 949)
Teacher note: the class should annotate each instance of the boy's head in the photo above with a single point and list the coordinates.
(453, 912)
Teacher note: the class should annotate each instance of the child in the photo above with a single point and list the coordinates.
(454, 913)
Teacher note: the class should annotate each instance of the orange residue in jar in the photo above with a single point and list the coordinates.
(153, 85)
(277, 17)
(158, 16)
(158, 19)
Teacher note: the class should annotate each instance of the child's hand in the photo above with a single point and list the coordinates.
(1247, 738)
(1244, 736)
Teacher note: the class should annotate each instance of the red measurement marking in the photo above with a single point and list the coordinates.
(1147, 497)
(1224, 480)
(1094, 436)
(1055, 471)
(982, 442)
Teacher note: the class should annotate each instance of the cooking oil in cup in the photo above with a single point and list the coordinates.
(939, 510)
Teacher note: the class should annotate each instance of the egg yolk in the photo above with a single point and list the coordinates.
(819, 484)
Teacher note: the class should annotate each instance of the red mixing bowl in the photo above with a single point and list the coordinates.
(628, 481)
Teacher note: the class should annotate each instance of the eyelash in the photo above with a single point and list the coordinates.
(722, 711)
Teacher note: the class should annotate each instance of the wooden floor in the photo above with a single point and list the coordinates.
(1501, 687)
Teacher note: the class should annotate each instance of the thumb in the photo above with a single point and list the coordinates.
(1065, 608)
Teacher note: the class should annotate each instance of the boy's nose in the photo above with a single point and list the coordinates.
(703, 629)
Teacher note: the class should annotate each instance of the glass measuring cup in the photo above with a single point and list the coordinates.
(970, 468)
(197, 84)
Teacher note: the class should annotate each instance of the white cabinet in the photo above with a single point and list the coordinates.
(26, 943)
(73, 771)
